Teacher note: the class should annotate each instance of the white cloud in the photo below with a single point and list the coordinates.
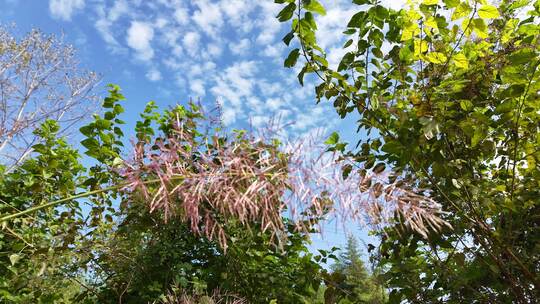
(191, 43)
(214, 50)
(181, 16)
(238, 13)
(267, 88)
(161, 22)
(332, 24)
(209, 17)
(229, 115)
(395, 4)
(274, 103)
(106, 17)
(119, 8)
(272, 51)
(241, 47)
(267, 23)
(258, 121)
(197, 87)
(138, 38)
(64, 9)
(310, 120)
(233, 87)
(335, 54)
(103, 27)
(153, 75)
(225, 50)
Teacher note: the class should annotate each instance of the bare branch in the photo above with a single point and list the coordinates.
(40, 79)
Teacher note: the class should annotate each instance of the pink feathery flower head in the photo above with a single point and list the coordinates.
(212, 179)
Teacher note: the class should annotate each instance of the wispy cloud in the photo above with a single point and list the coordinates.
(153, 75)
(64, 9)
(139, 36)
(224, 50)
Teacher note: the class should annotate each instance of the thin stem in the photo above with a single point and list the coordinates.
(57, 202)
(69, 198)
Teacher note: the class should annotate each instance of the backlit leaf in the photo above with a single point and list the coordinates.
(488, 12)
(315, 6)
(436, 58)
(461, 61)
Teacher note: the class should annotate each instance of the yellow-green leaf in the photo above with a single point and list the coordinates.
(432, 23)
(420, 47)
(409, 31)
(436, 58)
(488, 12)
(480, 28)
(430, 2)
(461, 61)
(462, 10)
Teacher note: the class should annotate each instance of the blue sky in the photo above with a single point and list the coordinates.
(226, 51)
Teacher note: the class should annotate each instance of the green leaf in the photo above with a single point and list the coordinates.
(301, 75)
(504, 107)
(377, 52)
(380, 12)
(488, 12)
(292, 58)
(477, 136)
(287, 12)
(522, 56)
(514, 90)
(405, 53)
(480, 27)
(90, 143)
(108, 102)
(392, 147)
(287, 39)
(118, 109)
(340, 147)
(357, 20)
(333, 139)
(466, 105)
(315, 6)
(87, 130)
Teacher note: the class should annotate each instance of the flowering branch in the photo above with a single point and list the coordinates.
(252, 180)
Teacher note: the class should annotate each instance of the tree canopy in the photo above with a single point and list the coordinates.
(448, 91)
